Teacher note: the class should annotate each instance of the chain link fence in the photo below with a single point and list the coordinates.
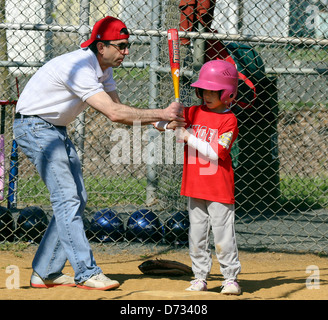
(133, 174)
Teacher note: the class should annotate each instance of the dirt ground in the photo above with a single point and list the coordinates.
(268, 276)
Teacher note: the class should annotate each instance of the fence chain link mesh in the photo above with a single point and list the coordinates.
(133, 174)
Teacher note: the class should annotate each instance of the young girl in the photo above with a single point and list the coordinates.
(208, 178)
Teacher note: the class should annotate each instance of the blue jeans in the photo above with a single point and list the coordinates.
(54, 156)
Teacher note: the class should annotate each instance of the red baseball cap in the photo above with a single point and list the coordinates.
(108, 28)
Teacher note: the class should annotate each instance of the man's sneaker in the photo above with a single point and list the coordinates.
(230, 287)
(99, 282)
(59, 280)
(198, 285)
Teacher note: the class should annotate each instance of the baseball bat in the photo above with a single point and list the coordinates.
(174, 56)
(13, 171)
(2, 151)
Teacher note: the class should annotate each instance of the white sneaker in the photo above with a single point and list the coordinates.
(99, 282)
(231, 287)
(198, 285)
(62, 280)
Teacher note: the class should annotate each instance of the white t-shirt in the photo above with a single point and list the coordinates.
(58, 90)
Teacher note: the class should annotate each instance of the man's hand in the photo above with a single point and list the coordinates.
(174, 112)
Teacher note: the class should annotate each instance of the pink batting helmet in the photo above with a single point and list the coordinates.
(219, 75)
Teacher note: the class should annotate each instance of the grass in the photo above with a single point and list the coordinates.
(308, 54)
(296, 106)
(15, 247)
(101, 191)
(303, 193)
(116, 191)
(135, 73)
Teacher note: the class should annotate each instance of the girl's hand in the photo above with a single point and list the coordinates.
(182, 134)
(175, 124)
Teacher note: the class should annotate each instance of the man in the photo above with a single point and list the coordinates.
(54, 96)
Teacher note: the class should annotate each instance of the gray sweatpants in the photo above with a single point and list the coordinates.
(203, 215)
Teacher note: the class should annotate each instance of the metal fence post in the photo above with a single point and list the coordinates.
(153, 102)
(49, 7)
(80, 120)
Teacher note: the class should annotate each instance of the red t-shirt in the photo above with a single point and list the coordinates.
(203, 178)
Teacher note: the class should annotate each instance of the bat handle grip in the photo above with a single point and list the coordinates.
(179, 140)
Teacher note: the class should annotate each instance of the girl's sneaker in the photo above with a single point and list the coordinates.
(231, 287)
(198, 285)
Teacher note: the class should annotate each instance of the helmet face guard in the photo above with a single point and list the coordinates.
(218, 75)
